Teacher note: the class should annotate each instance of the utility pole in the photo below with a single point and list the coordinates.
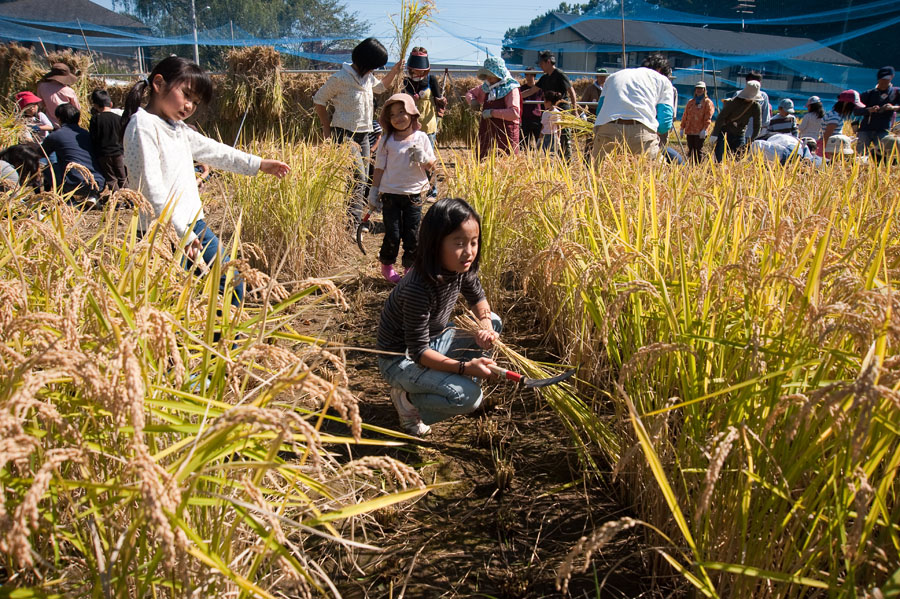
(194, 21)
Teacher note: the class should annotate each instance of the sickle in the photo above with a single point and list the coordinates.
(532, 383)
(359, 230)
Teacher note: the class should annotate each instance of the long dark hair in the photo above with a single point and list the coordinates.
(843, 108)
(817, 109)
(442, 219)
(174, 70)
(26, 159)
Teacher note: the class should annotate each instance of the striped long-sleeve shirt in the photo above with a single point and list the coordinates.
(419, 310)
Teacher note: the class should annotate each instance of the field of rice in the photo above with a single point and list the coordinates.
(733, 326)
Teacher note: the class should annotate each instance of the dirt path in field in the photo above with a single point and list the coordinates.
(513, 503)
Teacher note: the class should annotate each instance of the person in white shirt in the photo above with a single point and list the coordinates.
(635, 107)
(402, 166)
(160, 150)
(550, 117)
(350, 91)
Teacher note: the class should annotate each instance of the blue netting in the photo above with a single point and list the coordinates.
(794, 58)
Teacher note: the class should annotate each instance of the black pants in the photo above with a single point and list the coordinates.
(695, 147)
(401, 214)
(113, 168)
(531, 135)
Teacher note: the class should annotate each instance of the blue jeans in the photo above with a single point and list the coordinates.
(212, 248)
(439, 395)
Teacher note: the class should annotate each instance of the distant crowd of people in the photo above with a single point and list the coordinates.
(636, 108)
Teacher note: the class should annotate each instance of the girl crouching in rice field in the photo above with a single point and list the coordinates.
(402, 166)
(160, 150)
(432, 380)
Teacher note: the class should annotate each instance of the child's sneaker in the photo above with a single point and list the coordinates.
(409, 415)
(388, 272)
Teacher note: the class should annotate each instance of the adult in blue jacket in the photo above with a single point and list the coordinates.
(881, 105)
(636, 105)
(72, 144)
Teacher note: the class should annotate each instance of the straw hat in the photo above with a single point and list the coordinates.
(750, 91)
(409, 107)
(839, 144)
(60, 73)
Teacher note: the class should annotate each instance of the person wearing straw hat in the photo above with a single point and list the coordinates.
(881, 105)
(737, 116)
(839, 147)
(592, 92)
(55, 88)
(499, 101)
(38, 123)
(695, 121)
(531, 112)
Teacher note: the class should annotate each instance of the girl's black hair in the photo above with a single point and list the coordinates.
(369, 54)
(26, 159)
(817, 109)
(553, 96)
(442, 219)
(174, 71)
(843, 108)
(100, 97)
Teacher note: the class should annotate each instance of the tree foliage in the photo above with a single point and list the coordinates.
(260, 18)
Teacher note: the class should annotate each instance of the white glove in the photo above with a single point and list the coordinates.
(713, 139)
(474, 104)
(486, 114)
(702, 134)
(374, 201)
(416, 156)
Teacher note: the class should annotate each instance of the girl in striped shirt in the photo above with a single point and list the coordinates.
(432, 363)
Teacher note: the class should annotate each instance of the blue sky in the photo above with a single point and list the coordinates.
(455, 19)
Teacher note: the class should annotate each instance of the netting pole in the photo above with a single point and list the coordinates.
(194, 21)
(624, 57)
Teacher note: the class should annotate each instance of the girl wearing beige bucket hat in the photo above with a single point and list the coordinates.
(402, 166)
(54, 89)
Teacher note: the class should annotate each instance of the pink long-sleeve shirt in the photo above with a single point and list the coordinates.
(510, 100)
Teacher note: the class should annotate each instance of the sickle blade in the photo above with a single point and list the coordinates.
(553, 380)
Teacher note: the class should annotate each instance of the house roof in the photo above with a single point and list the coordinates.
(69, 11)
(684, 37)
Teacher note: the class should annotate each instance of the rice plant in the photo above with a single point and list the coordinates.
(738, 325)
(301, 229)
(414, 14)
(154, 440)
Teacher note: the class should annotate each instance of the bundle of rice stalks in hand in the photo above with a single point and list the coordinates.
(580, 126)
(564, 398)
(413, 15)
(252, 86)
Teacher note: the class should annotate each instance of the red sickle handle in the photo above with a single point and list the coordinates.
(507, 374)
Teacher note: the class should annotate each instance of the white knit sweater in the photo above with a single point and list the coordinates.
(160, 159)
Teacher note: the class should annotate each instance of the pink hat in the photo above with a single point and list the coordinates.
(409, 107)
(851, 96)
(24, 99)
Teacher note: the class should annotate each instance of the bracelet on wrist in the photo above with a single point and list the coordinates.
(462, 367)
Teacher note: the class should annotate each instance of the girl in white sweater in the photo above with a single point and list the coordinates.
(160, 150)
